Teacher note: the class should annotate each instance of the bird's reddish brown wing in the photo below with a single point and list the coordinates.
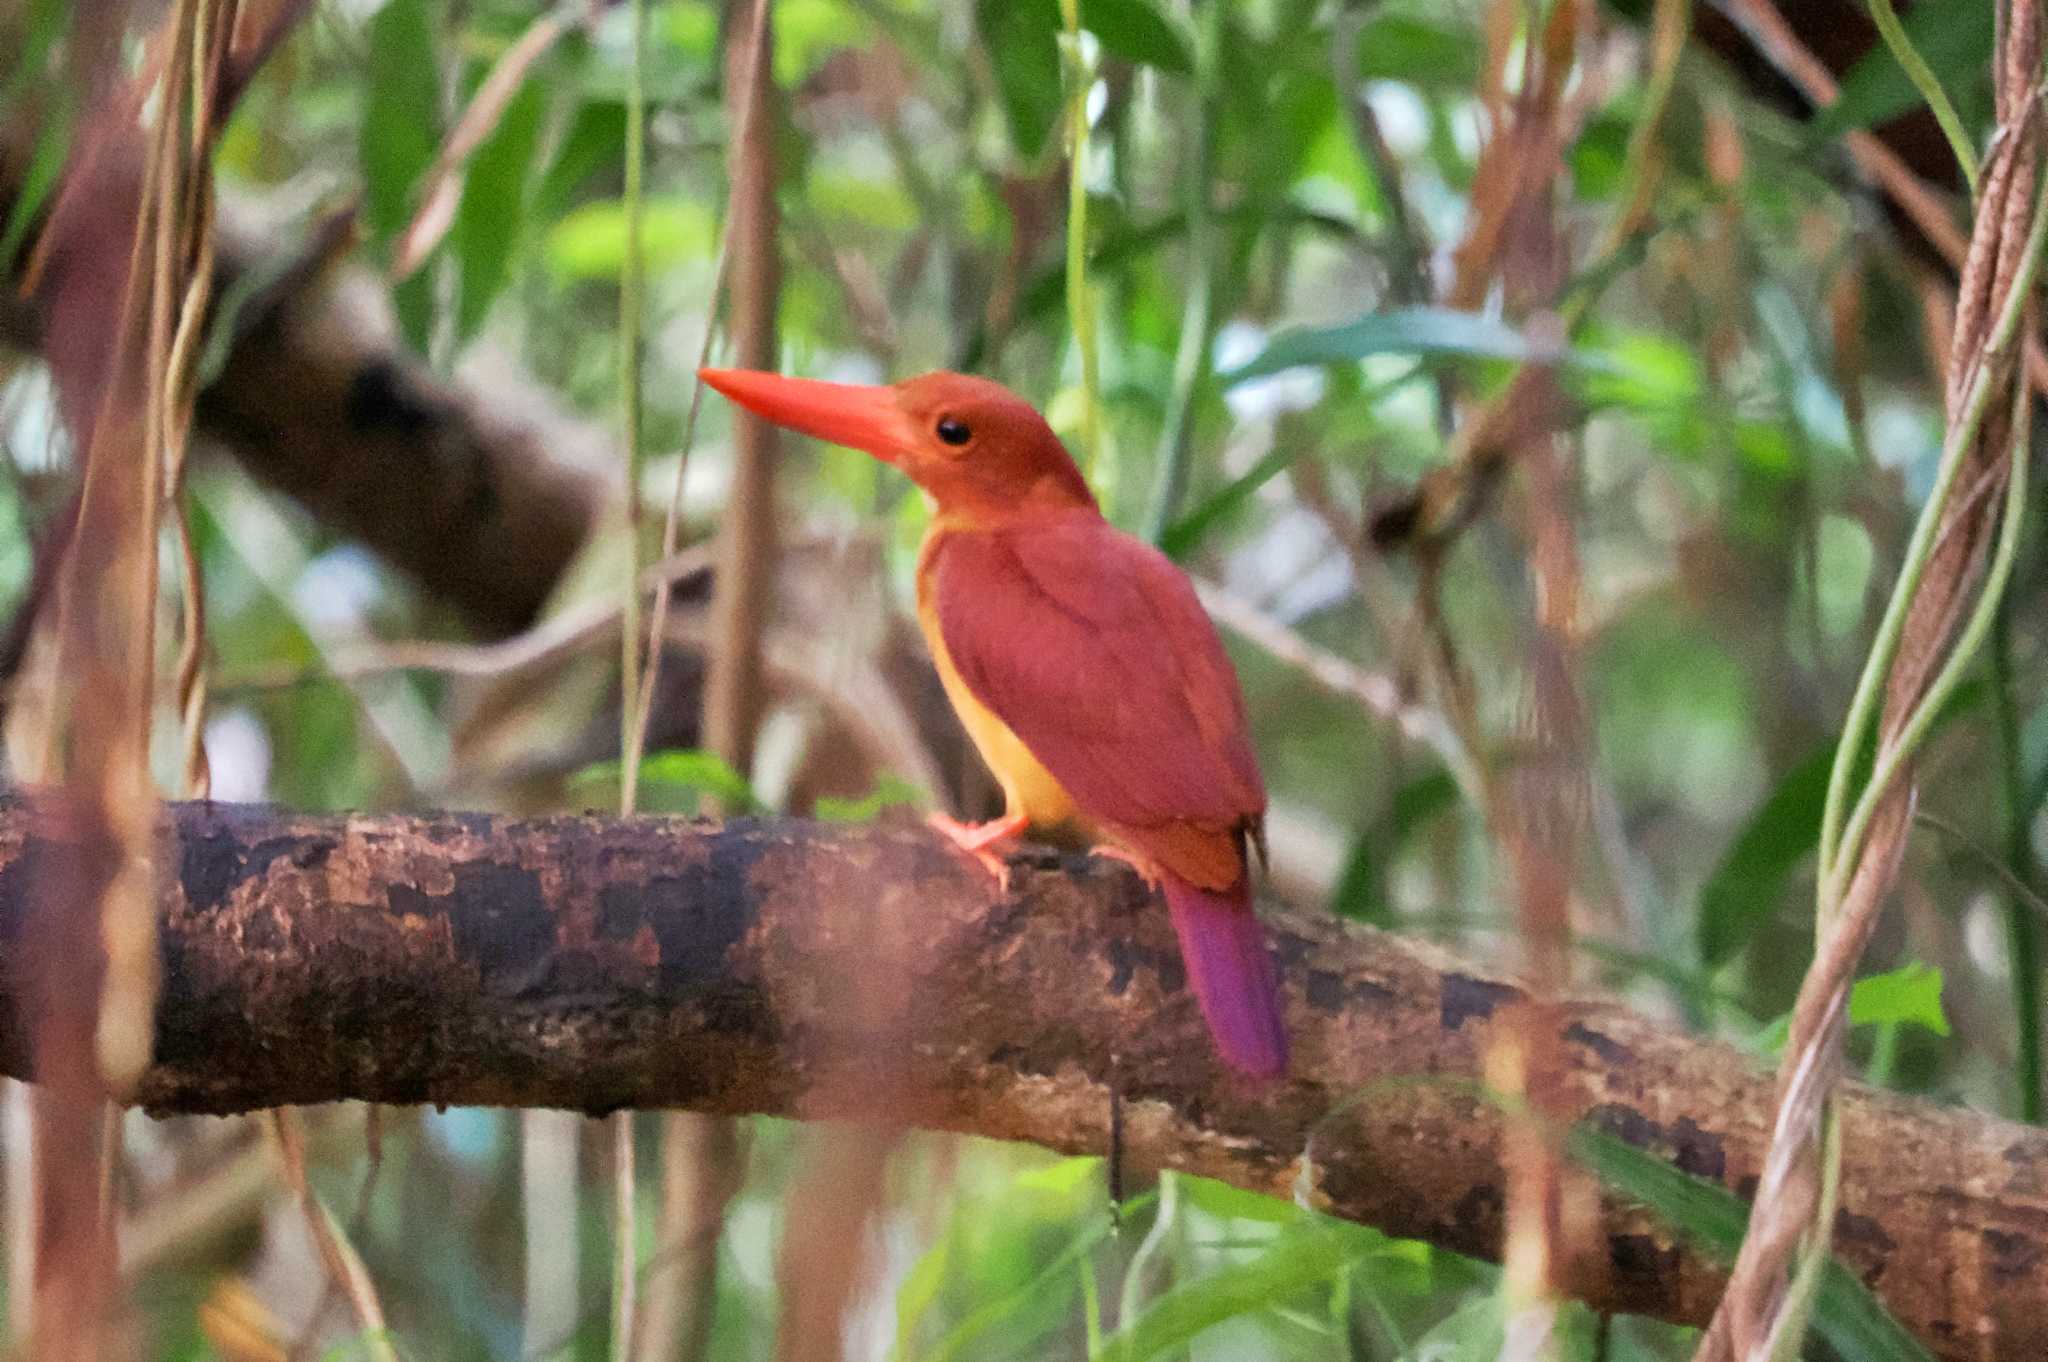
(1092, 647)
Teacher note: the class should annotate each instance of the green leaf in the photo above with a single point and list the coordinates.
(43, 26)
(1750, 878)
(1398, 1264)
(920, 1289)
(401, 130)
(45, 167)
(1955, 39)
(1138, 31)
(1748, 884)
(1020, 36)
(890, 792)
(596, 138)
(1226, 1202)
(860, 201)
(1403, 331)
(1642, 372)
(1294, 1263)
(1022, 40)
(809, 31)
(1911, 994)
(492, 213)
(686, 769)
(1471, 1333)
(401, 133)
(1418, 48)
(590, 243)
(1183, 535)
(1069, 1186)
(1360, 892)
(956, 1344)
(703, 772)
(1847, 1315)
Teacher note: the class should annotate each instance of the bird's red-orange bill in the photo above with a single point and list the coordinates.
(859, 417)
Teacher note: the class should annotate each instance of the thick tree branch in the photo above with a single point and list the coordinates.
(597, 963)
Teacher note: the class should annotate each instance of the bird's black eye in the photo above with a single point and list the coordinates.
(954, 431)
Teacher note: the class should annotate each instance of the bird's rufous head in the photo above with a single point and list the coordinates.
(978, 448)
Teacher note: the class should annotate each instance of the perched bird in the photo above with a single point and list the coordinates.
(1080, 662)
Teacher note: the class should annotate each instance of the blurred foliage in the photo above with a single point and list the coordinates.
(1759, 415)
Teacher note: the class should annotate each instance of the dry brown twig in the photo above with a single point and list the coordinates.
(129, 395)
(1764, 1313)
(702, 1155)
(1535, 809)
(124, 294)
(345, 1269)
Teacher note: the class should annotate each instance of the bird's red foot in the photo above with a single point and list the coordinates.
(1147, 871)
(979, 840)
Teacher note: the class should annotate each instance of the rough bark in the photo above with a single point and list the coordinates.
(599, 963)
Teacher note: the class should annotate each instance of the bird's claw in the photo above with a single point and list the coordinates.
(1147, 871)
(980, 840)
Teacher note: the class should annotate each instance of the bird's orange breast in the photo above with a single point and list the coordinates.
(1028, 788)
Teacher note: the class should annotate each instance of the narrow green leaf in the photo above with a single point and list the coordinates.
(1020, 36)
(1933, 93)
(492, 213)
(1403, 331)
(1138, 31)
(1419, 49)
(45, 166)
(920, 1289)
(596, 138)
(1911, 994)
(401, 130)
(43, 26)
(1361, 886)
(686, 769)
(1848, 1316)
(704, 772)
(1471, 1333)
(401, 133)
(1069, 1182)
(1749, 883)
(1185, 534)
(970, 1330)
(1295, 1262)
(1955, 39)
(891, 791)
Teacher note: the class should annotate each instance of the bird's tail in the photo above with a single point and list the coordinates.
(1224, 949)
